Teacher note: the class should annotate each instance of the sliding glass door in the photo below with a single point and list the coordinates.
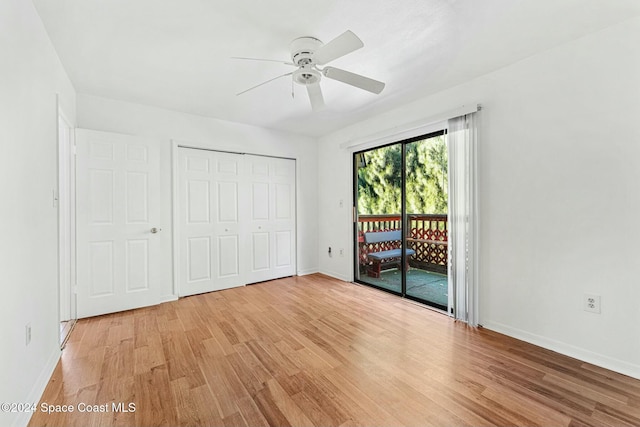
(379, 180)
(401, 197)
(426, 199)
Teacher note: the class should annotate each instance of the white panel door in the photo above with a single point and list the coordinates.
(117, 207)
(210, 237)
(271, 247)
(229, 210)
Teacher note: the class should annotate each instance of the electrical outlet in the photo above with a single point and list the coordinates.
(592, 303)
(341, 252)
(27, 331)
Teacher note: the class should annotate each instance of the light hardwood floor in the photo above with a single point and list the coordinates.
(317, 351)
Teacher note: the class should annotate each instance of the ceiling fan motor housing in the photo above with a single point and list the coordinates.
(302, 50)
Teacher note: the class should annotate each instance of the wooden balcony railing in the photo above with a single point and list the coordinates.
(427, 235)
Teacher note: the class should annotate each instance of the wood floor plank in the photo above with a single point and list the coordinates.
(313, 410)
(275, 399)
(234, 420)
(181, 362)
(611, 417)
(538, 414)
(150, 355)
(577, 375)
(252, 364)
(369, 408)
(155, 404)
(271, 410)
(251, 380)
(185, 413)
(316, 351)
(224, 385)
(205, 406)
(250, 412)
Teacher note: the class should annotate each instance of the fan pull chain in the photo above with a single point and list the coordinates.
(293, 96)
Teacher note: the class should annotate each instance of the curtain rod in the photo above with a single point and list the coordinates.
(409, 130)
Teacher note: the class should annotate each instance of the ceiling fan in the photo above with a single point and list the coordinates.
(309, 53)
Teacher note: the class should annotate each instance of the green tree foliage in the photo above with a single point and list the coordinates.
(380, 180)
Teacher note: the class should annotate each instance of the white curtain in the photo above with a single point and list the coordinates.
(463, 218)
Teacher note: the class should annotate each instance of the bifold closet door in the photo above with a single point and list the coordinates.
(210, 213)
(271, 224)
(236, 220)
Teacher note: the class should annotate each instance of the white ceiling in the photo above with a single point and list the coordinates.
(176, 54)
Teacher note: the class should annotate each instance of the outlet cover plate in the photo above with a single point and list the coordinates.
(592, 303)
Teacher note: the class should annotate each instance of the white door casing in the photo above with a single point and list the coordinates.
(235, 219)
(65, 218)
(118, 222)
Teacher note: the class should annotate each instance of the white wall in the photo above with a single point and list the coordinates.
(30, 77)
(165, 125)
(559, 194)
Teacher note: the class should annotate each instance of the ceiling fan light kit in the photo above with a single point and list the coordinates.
(306, 76)
(307, 53)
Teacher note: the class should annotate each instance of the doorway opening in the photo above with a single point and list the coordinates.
(66, 228)
(401, 219)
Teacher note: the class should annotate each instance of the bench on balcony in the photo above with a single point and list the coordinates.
(386, 257)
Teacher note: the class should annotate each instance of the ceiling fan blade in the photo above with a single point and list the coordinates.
(345, 43)
(264, 60)
(263, 83)
(353, 79)
(315, 96)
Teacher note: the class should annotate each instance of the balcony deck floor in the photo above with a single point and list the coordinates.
(426, 285)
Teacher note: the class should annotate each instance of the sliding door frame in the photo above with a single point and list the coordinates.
(404, 223)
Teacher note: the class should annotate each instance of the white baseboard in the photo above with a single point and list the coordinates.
(579, 353)
(307, 271)
(335, 275)
(38, 388)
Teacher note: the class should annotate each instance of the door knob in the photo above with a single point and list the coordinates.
(155, 230)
